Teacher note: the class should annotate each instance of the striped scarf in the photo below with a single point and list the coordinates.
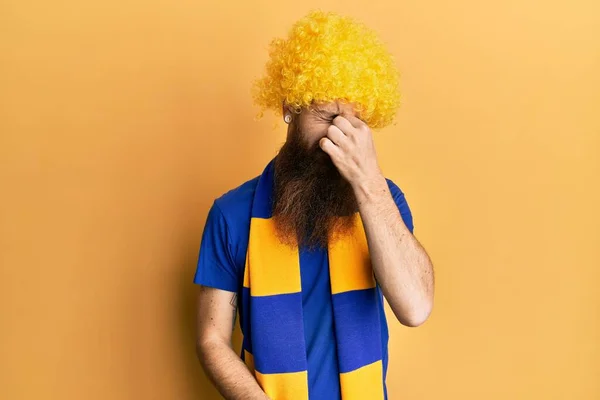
(273, 347)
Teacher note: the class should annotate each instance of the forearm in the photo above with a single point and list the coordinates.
(228, 372)
(401, 265)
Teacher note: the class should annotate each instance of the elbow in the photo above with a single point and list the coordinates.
(207, 345)
(415, 320)
(201, 349)
(417, 316)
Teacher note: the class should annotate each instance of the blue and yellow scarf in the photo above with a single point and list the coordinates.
(273, 346)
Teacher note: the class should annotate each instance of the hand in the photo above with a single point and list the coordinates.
(349, 143)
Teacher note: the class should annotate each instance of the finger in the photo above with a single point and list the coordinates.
(344, 124)
(336, 135)
(355, 121)
(329, 147)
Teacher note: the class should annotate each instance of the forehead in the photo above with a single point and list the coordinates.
(335, 107)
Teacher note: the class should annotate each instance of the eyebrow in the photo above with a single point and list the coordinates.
(328, 112)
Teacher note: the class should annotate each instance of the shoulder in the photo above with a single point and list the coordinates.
(400, 200)
(224, 241)
(397, 193)
(394, 188)
(236, 204)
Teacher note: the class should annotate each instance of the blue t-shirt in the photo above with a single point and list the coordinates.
(221, 265)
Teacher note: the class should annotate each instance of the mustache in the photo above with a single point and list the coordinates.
(308, 160)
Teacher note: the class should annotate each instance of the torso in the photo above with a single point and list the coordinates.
(323, 371)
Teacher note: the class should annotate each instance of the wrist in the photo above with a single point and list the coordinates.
(369, 188)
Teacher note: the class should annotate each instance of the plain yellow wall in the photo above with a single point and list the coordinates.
(121, 121)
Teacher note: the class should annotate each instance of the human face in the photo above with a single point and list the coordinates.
(311, 198)
(314, 121)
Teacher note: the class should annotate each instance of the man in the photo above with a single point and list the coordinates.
(308, 249)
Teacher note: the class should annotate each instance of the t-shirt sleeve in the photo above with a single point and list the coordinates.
(216, 267)
(402, 204)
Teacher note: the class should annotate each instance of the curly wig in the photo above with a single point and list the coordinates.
(327, 57)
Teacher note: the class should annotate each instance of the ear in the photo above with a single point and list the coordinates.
(286, 111)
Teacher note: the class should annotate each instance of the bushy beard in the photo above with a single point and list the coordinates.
(312, 201)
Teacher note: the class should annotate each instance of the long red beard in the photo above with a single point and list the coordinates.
(311, 198)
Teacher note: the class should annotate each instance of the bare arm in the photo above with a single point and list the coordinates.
(215, 321)
(401, 265)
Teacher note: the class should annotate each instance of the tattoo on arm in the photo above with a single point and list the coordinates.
(233, 303)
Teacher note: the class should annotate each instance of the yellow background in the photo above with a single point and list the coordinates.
(121, 121)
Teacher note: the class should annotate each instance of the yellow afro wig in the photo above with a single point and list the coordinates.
(326, 58)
